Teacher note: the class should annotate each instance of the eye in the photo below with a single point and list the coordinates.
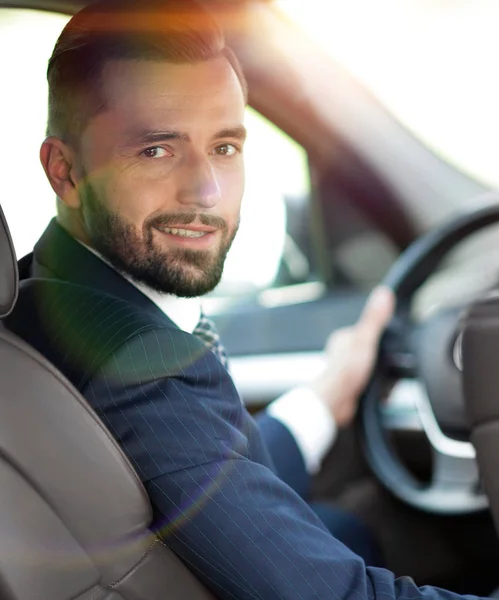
(156, 152)
(226, 150)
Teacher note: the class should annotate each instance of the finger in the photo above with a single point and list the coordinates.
(378, 311)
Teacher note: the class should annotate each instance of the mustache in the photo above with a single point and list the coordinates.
(166, 220)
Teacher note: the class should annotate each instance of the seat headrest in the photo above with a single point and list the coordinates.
(9, 277)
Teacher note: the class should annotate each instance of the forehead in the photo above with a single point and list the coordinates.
(168, 94)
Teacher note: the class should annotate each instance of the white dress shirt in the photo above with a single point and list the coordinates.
(300, 410)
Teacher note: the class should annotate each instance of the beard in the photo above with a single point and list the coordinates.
(180, 271)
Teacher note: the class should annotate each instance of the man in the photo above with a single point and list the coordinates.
(144, 153)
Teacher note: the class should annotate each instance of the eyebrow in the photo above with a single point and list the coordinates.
(238, 132)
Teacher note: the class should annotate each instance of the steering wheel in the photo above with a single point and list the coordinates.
(426, 358)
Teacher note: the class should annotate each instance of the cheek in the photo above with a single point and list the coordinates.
(232, 190)
(136, 197)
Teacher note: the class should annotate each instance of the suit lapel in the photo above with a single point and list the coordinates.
(57, 255)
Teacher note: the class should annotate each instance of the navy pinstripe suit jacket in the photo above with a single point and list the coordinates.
(173, 408)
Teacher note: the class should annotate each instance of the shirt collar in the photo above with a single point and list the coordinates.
(184, 312)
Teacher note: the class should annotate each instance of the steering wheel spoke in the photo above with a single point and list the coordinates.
(455, 481)
(455, 475)
(454, 487)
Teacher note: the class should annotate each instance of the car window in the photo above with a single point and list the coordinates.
(269, 250)
(25, 195)
(432, 64)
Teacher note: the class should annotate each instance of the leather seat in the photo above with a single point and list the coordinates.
(74, 516)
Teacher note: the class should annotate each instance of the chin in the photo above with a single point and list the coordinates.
(189, 282)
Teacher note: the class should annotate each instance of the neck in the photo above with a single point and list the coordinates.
(73, 224)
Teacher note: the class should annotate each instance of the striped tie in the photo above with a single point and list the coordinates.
(206, 331)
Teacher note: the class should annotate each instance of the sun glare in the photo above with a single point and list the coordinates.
(432, 63)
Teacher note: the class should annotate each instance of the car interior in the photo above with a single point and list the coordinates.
(356, 194)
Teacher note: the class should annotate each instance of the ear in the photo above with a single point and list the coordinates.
(57, 159)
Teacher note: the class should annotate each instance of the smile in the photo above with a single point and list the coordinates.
(185, 232)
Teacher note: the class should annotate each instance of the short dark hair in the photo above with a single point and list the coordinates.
(178, 31)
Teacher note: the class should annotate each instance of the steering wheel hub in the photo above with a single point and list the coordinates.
(434, 343)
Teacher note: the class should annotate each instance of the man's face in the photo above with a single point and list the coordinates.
(162, 172)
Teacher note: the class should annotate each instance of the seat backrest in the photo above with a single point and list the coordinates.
(74, 516)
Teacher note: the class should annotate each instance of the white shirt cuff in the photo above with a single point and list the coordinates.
(309, 421)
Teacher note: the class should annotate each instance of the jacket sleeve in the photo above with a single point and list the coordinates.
(285, 453)
(217, 502)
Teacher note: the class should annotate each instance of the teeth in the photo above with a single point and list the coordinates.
(184, 232)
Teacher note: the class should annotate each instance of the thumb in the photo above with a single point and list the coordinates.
(377, 312)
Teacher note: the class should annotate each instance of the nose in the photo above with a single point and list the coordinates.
(200, 184)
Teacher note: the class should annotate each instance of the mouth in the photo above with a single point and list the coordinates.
(200, 236)
(188, 233)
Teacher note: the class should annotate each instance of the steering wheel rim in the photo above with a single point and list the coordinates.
(455, 485)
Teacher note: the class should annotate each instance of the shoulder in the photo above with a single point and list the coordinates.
(153, 353)
(78, 328)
